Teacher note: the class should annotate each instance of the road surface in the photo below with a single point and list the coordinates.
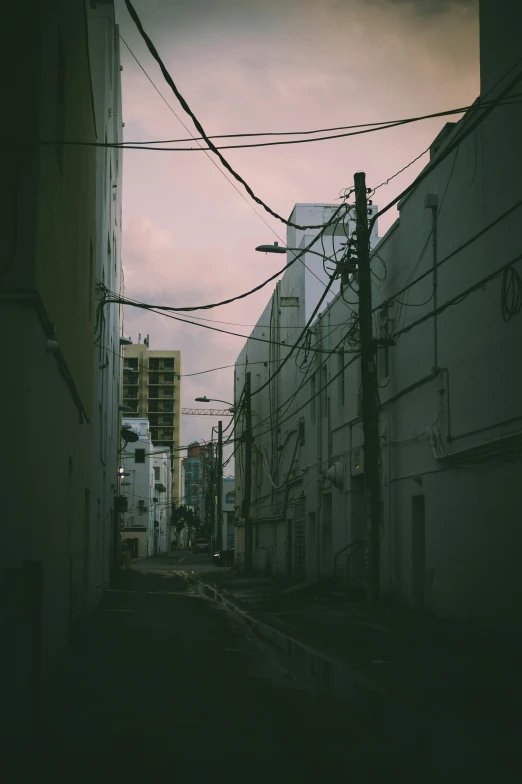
(162, 681)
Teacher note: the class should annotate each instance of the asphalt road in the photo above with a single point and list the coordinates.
(162, 681)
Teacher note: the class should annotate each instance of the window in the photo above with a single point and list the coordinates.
(139, 456)
(60, 107)
(313, 396)
(340, 370)
(156, 473)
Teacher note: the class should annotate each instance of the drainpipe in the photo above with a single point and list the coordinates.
(319, 521)
(431, 202)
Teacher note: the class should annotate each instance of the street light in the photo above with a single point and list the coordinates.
(276, 248)
(346, 267)
(206, 399)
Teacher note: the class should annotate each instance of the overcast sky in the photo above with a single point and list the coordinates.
(267, 65)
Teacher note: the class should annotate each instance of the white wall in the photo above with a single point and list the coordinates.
(228, 510)
(104, 55)
(161, 461)
(472, 498)
(138, 487)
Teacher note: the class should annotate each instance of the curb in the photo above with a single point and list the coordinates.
(333, 675)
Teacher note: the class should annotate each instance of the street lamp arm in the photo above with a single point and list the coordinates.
(279, 249)
(212, 400)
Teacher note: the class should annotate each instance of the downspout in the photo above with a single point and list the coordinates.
(319, 409)
(431, 202)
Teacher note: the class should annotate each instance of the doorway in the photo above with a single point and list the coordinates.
(418, 552)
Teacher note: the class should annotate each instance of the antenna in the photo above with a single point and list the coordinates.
(139, 338)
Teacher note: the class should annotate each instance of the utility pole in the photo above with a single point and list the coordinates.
(370, 409)
(212, 500)
(247, 490)
(219, 513)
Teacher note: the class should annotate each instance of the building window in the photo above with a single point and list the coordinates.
(139, 456)
(156, 473)
(60, 106)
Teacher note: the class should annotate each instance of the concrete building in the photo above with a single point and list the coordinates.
(228, 512)
(102, 538)
(146, 485)
(450, 389)
(161, 465)
(197, 474)
(53, 207)
(153, 390)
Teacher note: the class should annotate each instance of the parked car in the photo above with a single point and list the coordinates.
(224, 557)
(201, 546)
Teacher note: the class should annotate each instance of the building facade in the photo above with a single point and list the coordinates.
(197, 477)
(145, 483)
(450, 390)
(153, 390)
(52, 209)
(228, 513)
(103, 536)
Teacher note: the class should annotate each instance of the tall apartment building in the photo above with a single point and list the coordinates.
(152, 390)
(197, 467)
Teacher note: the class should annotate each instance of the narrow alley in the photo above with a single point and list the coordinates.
(161, 681)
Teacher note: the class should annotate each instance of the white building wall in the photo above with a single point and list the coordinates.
(228, 510)
(103, 538)
(468, 568)
(161, 461)
(139, 488)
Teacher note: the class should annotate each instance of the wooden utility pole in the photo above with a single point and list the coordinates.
(219, 472)
(370, 408)
(247, 490)
(212, 497)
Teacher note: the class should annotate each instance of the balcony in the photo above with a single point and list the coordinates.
(157, 408)
(160, 365)
(157, 380)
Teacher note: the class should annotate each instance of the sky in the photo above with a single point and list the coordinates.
(249, 66)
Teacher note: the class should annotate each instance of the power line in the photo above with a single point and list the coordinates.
(188, 131)
(188, 110)
(274, 232)
(454, 301)
(162, 312)
(380, 127)
(122, 301)
(389, 300)
(460, 297)
(464, 132)
(383, 124)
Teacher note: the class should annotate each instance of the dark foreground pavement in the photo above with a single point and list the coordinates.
(164, 682)
(455, 688)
